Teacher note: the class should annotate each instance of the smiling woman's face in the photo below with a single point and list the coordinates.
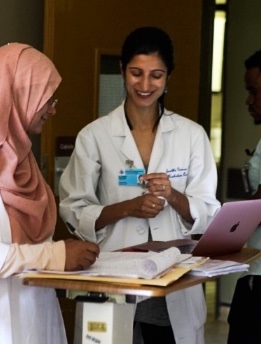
(42, 116)
(145, 79)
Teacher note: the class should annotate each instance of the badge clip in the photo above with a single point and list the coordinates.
(130, 163)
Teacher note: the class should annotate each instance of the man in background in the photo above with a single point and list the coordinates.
(245, 313)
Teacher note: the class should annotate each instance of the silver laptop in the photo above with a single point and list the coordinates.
(228, 232)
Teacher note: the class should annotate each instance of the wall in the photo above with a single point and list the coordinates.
(22, 21)
(243, 39)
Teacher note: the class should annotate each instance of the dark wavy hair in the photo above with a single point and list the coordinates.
(253, 61)
(145, 41)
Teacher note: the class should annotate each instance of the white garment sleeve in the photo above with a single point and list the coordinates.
(14, 258)
(48, 256)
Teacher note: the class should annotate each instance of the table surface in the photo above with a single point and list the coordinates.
(246, 255)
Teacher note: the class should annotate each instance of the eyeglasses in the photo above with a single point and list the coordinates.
(52, 102)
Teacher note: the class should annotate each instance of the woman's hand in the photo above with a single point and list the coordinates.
(145, 206)
(158, 184)
(80, 254)
(157, 191)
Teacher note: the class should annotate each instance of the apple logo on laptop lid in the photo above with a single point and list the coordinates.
(234, 227)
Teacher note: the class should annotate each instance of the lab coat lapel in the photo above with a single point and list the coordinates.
(130, 150)
(157, 152)
(165, 125)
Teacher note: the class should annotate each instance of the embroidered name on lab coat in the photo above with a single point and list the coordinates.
(177, 172)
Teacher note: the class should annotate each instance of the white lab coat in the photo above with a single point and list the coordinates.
(29, 315)
(90, 182)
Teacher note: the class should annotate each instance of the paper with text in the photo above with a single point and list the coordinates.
(146, 265)
(135, 264)
(215, 267)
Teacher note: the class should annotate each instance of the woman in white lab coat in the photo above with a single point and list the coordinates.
(29, 315)
(144, 173)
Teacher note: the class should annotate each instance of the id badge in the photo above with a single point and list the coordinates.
(130, 176)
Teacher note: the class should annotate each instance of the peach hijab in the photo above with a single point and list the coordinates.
(28, 79)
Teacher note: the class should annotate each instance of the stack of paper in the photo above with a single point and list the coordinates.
(214, 267)
(130, 268)
(135, 264)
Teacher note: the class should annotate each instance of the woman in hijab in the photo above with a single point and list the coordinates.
(28, 81)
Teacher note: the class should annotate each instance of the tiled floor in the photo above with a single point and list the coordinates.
(216, 328)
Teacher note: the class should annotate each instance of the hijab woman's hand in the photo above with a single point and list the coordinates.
(80, 254)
